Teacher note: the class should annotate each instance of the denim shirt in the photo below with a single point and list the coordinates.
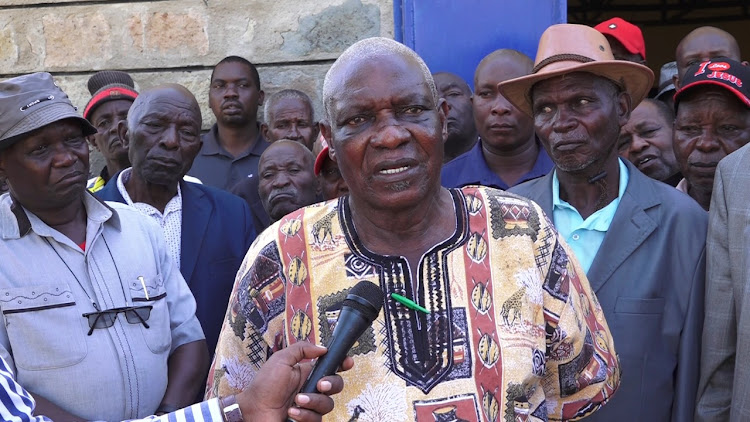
(470, 168)
(47, 283)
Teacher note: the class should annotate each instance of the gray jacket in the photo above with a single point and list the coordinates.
(649, 278)
(724, 393)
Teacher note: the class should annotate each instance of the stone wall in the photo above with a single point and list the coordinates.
(293, 42)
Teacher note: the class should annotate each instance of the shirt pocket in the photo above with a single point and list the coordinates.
(45, 327)
(641, 306)
(636, 325)
(152, 292)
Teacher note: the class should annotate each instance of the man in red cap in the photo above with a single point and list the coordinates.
(625, 39)
(112, 94)
(712, 120)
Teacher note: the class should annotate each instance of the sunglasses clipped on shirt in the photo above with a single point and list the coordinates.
(107, 317)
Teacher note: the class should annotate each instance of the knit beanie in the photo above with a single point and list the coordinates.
(109, 85)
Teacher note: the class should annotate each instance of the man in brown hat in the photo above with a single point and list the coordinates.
(484, 315)
(97, 321)
(641, 242)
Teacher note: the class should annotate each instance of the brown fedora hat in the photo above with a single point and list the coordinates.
(568, 48)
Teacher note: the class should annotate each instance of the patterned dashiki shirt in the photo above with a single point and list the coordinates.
(514, 332)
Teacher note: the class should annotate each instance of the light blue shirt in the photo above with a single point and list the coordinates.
(585, 236)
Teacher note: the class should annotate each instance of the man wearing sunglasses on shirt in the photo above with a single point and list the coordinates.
(97, 321)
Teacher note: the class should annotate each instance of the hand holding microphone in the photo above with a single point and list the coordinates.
(360, 308)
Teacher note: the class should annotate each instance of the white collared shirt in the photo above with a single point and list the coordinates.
(170, 222)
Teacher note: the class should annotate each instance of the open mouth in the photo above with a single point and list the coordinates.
(644, 160)
(395, 170)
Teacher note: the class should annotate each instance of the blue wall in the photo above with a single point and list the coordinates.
(454, 35)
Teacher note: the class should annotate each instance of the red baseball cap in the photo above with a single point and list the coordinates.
(322, 156)
(629, 35)
(724, 73)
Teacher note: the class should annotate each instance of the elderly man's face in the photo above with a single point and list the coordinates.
(287, 181)
(578, 118)
(386, 133)
(291, 118)
(501, 126)
(49, 168)
(166, 136)
(458, 96)
(234, 96)
(105, 119)
(646, 141)
(710, 125)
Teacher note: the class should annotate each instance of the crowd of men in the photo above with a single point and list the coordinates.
(563, 241)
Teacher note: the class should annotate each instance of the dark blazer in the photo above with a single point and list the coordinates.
(247, 189)
(649, 276)
(217, 231)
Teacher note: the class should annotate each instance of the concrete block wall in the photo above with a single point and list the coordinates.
(293, 42)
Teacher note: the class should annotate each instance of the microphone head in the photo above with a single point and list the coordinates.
(366, 297)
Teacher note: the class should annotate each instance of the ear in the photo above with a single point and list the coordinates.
(92, 142)
(624, 107)
(325, 130)
(122, 133)
(2, 165)
(316, 130)
(264, 131)
(443, 113)
(261, 97)
(676, 81)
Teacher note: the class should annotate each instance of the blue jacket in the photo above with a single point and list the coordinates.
(217, 231)
(470, 168)
(649, 277)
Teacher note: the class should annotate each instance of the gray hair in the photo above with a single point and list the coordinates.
(369, 49)
(283, 94)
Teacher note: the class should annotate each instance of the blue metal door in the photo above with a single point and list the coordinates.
(454, 35)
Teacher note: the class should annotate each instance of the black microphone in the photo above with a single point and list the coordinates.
(358, 311)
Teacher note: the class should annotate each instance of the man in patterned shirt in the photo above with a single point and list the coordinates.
(511, 330)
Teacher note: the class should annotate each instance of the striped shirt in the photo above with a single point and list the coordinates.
(17, 405)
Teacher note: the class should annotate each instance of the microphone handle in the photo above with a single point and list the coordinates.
(350, 326)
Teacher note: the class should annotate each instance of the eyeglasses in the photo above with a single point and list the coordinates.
(107, 317)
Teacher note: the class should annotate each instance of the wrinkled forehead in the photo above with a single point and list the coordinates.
(291, 104)
(720, 101)
(285, 151)
(169, 102)
(445, 81)
(709, 44)
(373, 74)
(574, 81)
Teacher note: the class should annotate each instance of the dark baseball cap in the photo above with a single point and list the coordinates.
(725, 73)
(30, 102)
